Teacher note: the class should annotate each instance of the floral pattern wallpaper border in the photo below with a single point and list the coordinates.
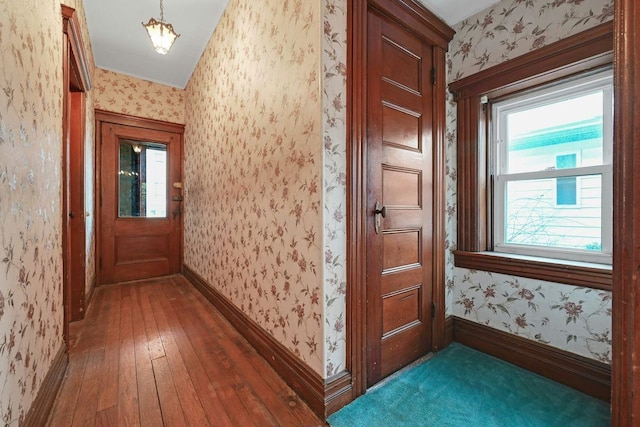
(567, 317)
(31, 312)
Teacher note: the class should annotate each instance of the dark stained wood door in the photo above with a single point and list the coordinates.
(399, 197)
(140, 203)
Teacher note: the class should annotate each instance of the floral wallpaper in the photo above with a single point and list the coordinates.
(334, 102)
(513, 27)
(253, 169)
(564, 316)
(120, 93)
(31, 312)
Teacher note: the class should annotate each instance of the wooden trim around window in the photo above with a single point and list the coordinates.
(589, 50)
(578, 274)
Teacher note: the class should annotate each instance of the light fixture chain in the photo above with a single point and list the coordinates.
(161, 11)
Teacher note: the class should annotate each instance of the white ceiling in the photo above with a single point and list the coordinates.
(454, 11)
(121, 44)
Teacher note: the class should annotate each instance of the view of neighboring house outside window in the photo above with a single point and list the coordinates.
(552, 171)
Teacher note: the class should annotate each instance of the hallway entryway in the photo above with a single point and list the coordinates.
(157, 353)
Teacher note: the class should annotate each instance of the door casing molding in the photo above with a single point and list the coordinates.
(76, 82)
(425, 24)
(625, 381)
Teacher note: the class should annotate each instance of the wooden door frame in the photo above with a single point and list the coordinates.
(76, 75)
(103, 117)
(625, 381)
(419, 20)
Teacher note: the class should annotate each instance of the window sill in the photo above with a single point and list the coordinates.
(582, 274)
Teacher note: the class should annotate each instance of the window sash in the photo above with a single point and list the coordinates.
(499, 154)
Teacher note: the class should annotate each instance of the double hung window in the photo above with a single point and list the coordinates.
(550, 162)
(534, 163)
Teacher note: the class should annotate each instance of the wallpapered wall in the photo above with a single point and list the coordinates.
(253, 157)
(334, 99)
(30, 197)
(124, 94)
(568, 317)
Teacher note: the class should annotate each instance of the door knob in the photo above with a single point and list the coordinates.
(378, 211)
(72, 215)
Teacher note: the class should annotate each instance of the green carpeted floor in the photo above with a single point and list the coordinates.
(462, 387)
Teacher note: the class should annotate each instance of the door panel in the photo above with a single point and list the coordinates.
(399, 178)
(140, 206)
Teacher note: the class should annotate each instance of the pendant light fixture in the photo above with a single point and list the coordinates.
(161, 33)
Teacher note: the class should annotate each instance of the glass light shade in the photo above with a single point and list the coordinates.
(161, 34)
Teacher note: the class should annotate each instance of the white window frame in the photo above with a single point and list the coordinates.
(539, 97)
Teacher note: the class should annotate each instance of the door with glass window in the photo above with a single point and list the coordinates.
(140, 202)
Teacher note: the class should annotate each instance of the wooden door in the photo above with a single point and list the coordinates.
(399, 197)
(140, 202)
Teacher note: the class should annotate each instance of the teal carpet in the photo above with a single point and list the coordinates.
(462, 387)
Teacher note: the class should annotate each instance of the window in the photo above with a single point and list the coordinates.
(566, 187)
(548, 200)
(142, 181)
(569, 174)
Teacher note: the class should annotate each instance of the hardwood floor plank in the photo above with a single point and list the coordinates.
(157, 353)
(107, 417)
(283, 403)
(169, 403)
(211, 357)
(84, 337)
(149, 404)
(156, 349)
(85, 413)
(108, 396)
(93, 337)
(64, 408)
(189, 400)
(194, 321)
(128, 410)
(205, 386)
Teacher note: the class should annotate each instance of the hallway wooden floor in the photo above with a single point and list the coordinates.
(158, 353)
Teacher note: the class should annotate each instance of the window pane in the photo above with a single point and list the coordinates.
(532, 216)
(551, 136)
(566, 191)
(142, 180)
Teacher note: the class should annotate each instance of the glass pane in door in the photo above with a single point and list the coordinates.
(142, 186)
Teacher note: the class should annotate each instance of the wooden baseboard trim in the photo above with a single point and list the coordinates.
(448, 331)
(41, 407)
(302, 379)
(338, 392)
(586, 375)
